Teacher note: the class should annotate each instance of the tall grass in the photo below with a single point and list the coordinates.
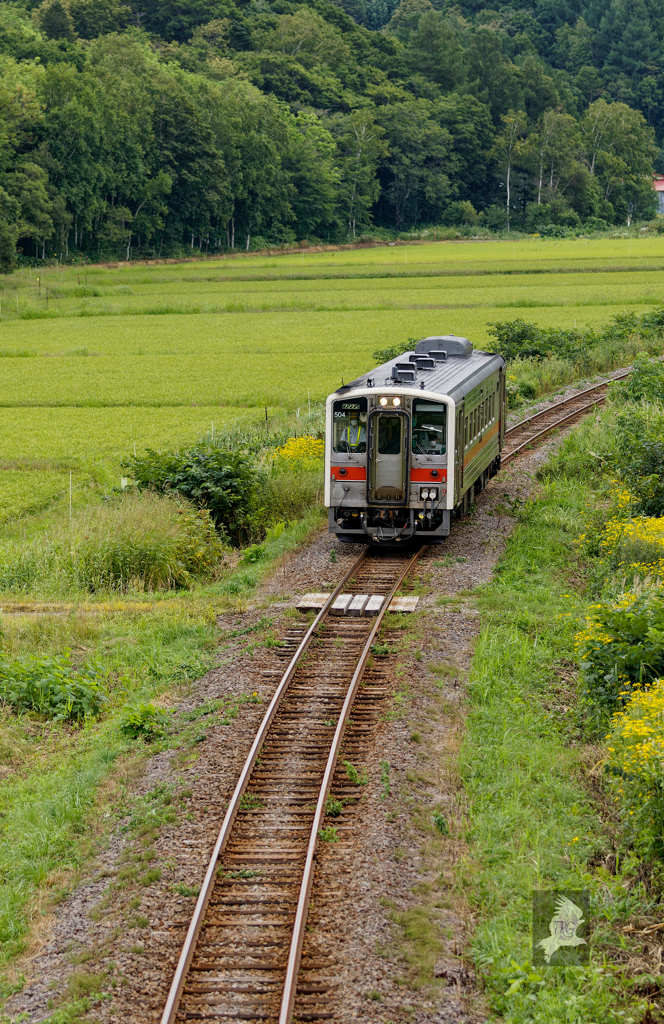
(138, 542)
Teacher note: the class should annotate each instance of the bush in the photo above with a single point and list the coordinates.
(210, 476)
(640, 459)
(52, 687)
(636, 765)
(621, 651)
(646, 381)
(144, 721)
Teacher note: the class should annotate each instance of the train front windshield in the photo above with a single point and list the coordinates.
(429, 427)
(350, 426)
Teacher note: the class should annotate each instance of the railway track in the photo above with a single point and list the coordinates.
(522, 435)
(241, 956)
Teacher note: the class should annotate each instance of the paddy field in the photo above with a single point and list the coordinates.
(97, 360)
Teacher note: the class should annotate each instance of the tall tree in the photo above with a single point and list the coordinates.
(360, 148)
(508, 147)
(415, 176)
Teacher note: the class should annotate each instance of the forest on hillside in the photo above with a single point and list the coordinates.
(170, 126)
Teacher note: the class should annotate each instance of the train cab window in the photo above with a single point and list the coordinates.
(350, 426)
(389, 434)
(429, 428)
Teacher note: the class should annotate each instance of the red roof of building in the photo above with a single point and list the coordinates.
(658, 183)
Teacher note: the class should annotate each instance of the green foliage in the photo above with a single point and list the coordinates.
(646, 381)
(518, 339)
(621, 651)
(144, 721)
(358, 778)
(440, 824)
(384, 355)
(210, 476)
(52, 687)
(222, 126)
(329, 834)
(135, 542)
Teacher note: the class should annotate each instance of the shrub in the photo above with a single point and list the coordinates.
(640, 463)
(635, 544)
(636, 765)
(646, 381)
(142, 542)
(210, 476)
(621, 651)
(52, 687)
(144, 721)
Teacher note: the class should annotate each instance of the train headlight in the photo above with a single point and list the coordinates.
(383, 401)
(396, 401)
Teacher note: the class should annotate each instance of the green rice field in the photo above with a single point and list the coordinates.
(96, 360)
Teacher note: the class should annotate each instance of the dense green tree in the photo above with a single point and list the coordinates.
(166, 124)
(360, 148)
(54, 19)
(415, 175)
(435, 51)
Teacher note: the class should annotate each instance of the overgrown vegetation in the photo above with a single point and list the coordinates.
(137, 542)
(533, 822)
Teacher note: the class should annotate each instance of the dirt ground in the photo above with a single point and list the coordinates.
(123, 926)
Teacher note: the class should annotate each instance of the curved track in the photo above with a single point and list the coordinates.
(522, 435)
(241, 957)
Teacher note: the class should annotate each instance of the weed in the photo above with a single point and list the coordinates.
(375, 996)
(418, 656)
(81, 984)
(52, 687)
(140, 921)
(333, 807)
(251, 802)
(186, 890)
(440, 824)
(150, 876)
(356, 777)
(381, 650)
(329, 834)
(328, 723)
(144, 721)
(333, 555)
(416, 737)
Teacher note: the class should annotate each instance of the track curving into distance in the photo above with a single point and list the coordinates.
(522, 435)
(241, 956)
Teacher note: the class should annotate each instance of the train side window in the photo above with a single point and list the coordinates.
(429, 427)
(465, 433)
(350, 426)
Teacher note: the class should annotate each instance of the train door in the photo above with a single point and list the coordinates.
(388, 453)
(459, 452)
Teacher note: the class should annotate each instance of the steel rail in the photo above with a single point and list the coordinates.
(559, 405)
(508, 456)
(292, 969)
(179, 978)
